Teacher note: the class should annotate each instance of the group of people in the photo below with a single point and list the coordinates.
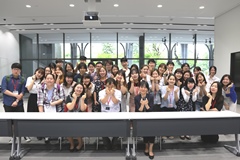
(104, 87)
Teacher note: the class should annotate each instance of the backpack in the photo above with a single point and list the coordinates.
(21, 82)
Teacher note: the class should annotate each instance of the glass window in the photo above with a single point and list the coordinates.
(51, 46)
(76, 45)
(28, 67)
(28, 43)
(154, 46)
(128, 47)
(104, 45)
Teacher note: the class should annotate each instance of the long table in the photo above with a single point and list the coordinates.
(69, 124)
(118, 124)
(187, 123)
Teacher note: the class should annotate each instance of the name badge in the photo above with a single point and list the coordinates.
(15, 92)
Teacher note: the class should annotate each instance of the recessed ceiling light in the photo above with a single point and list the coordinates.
(116, 5)
(71, 5)
(45, 24)
(201, 7)
(58, 29)
(52, 29)
(159, 29)
(51, 24)
(159, 6)
(28, 6)
(190, 30)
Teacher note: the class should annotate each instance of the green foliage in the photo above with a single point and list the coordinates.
(107, 48)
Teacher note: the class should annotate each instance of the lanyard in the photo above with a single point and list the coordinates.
(213, 103)
(15, 84)
(109, 99)
(171, 97)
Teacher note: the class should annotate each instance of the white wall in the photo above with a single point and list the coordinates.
(9, 51)
(227, 39)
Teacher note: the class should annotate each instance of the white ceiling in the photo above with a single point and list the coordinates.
(132, 16)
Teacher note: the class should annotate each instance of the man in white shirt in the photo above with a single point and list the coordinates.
(110, 99)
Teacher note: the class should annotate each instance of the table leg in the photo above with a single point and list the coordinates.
(234, 150)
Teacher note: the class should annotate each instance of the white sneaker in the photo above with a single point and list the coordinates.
(27, 139)
(10, 141)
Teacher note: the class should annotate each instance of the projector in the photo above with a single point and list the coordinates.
(91, 19)
(91, 16)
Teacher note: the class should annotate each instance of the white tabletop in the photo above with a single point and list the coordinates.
(118, 115)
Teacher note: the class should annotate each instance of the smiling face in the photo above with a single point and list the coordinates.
(39, 75)
(78, 89)
(226, 81)
(103, 72)
(171, 80)
(50, 80)
(214, 88)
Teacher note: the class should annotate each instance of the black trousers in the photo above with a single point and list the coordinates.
(13, 109)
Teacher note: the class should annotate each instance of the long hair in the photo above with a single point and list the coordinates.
(69, 75)
(73, 90)
(219, 96)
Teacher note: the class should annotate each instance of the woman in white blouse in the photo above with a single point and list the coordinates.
(32, 85)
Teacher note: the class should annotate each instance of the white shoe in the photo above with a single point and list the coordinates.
(10, 141)
(27, 139)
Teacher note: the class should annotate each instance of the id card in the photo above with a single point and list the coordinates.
(15, 92)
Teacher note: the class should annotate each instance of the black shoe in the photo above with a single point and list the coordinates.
(78, 149)
(71, 149)
(151, 157)
(146, 153)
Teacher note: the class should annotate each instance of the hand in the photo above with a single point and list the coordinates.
(151, 78)
(96, 103)
(143, 75)
(195, 90)
(18, 96)
(158, 78)
(74, 95)
(14, 104)
(209, 95)
(84, 96)
(179, 83)
(176, 91)
(227, 107)
(187, 92)
(90, 86)
(34, 77)
(108, 92)
(168, 89)
(122, 81)
(231, 85)
(53, 104)
(131, 79)
(112, 91)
